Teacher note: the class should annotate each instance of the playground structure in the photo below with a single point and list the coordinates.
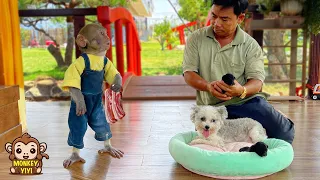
(180, 30)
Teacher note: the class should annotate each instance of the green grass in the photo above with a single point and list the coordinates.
(39, 62)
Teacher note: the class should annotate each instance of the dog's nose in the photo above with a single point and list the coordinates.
(207, 127)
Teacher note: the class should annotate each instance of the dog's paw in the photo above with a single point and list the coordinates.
(193, 142)
(244, 149)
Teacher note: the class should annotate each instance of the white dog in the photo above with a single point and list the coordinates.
(214, 129)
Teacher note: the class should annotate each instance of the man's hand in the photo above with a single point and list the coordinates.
(216, 91)
(78, 98)
(231, 91)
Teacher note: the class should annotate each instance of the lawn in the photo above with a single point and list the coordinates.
(39, 62)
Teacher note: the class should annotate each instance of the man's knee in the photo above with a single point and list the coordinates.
(287, 135)
(277, 125)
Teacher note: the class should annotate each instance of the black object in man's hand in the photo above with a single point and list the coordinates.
(228, 79)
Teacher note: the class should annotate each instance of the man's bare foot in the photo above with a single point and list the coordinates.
(72, 159)
(113, 151)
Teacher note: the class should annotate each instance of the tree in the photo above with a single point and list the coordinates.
(163, 32)
(25, 37)
(66, 4)
(194, 10)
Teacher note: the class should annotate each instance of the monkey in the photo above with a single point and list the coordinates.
(84, 79)
(26, 148)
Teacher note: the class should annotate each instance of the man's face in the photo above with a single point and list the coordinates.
(224, 21)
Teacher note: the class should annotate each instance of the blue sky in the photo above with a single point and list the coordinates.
(163, 8)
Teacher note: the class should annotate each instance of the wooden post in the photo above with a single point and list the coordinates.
(314, 66)
(181, 36)
(119, 46)
(78, 22)
(304, 61)
(293, 57)
(134, 54)
(139, 72)
(129, 42)
(257, 34)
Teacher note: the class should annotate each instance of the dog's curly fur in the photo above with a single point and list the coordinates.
(212, 122)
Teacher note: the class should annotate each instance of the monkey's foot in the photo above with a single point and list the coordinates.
(39, 170)
(72, 159)
(12, 170)
(112, 151)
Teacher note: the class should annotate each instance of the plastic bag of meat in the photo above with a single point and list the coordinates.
(113, 105)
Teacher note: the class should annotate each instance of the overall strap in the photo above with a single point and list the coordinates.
(86, 61)
(105, 62)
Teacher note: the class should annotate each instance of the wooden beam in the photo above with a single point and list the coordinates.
(273, 64)
(286, 22)
(58, 12)
(279, 46)
(282, 80)
(304, 62)
(285, 98)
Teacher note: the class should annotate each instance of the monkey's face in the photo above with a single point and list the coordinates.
(26, 151)
(93, 39)
(101, 40)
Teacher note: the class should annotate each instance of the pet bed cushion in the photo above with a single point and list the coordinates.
(214, 162)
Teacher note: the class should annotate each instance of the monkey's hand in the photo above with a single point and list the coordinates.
(117, 83)
(78, 98)
(72, 159)
(117, 153)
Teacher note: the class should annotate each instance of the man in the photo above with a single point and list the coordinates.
(222, 48)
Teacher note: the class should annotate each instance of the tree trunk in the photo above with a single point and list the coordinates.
(70, 43)
(276, 55)
(162, 46)
(56, 53)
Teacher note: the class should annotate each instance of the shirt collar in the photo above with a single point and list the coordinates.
(238, 39)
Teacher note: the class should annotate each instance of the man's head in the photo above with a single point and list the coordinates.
(226, 14)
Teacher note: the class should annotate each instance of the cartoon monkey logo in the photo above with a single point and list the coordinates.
(26, 154)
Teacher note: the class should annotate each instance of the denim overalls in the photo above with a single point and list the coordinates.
(91, 88)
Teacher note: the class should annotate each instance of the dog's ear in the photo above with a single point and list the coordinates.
(194, 110)
(223, 111)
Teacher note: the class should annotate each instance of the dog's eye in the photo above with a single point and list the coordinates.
(203, 119)
(213, 120)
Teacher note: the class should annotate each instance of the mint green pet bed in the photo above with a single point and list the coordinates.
(208, 161)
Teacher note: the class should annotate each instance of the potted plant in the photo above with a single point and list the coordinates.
(291, 7)
(287, 7)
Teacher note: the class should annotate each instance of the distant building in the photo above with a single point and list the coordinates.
(142, 10)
